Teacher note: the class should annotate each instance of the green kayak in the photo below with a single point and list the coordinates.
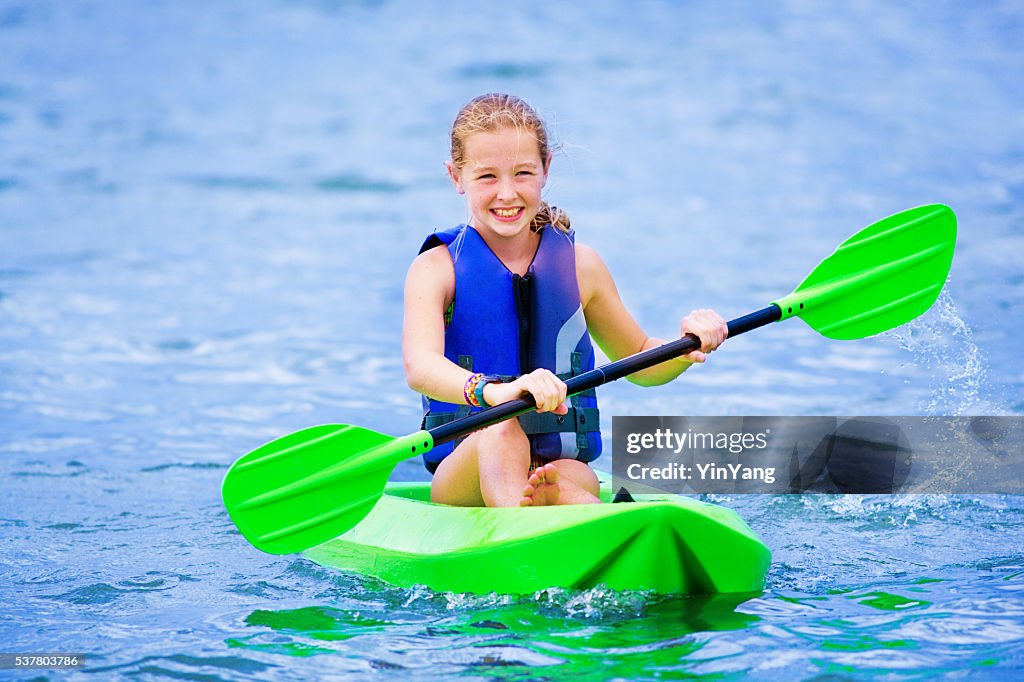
(666, 543)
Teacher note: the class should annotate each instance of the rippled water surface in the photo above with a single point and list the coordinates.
(206, 212)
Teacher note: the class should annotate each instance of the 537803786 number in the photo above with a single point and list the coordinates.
(41, 661)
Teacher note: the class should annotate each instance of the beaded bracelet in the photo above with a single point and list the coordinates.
(469, 390)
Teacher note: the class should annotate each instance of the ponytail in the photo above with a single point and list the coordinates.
(550, 215)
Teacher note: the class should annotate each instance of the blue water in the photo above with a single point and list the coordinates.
(206, 213)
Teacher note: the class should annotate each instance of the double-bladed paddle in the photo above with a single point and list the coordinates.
(308, 487)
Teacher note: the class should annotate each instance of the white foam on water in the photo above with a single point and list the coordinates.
(942, 345)
(594, 603)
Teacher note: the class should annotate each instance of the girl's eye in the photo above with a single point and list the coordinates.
(525, 172)
(486, 176)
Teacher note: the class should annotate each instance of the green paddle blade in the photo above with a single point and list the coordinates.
(312, 485)
(883, 276)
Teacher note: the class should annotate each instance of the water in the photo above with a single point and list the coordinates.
(205, 218)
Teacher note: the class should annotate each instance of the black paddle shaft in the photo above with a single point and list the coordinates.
(598, 376)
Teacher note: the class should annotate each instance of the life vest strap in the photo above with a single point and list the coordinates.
(578, 419)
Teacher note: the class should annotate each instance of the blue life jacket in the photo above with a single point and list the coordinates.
(505, 324)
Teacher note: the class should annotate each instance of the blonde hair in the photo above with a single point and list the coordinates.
(494, 111)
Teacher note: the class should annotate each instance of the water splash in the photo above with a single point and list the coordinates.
(595, 603)
(942, 344)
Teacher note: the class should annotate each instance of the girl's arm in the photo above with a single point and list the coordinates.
(429, 290)
(615, 330)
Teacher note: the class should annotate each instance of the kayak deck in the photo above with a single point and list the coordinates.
(665, 543)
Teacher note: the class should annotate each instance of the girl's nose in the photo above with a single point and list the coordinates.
(506, 190)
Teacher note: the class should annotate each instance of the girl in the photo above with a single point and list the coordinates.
(507, 305)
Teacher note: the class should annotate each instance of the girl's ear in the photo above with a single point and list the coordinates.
(455, 178)
(547, 165)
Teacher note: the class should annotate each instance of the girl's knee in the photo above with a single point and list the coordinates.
(503, 445)
(508, 432)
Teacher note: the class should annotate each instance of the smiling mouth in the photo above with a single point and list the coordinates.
(507, 213)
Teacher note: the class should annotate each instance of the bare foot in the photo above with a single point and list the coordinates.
(542, 487)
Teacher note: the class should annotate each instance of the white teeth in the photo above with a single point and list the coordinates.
(507, 212)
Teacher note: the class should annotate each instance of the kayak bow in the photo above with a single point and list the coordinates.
(665, 543)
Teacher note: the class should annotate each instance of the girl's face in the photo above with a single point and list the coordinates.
(502, 179)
